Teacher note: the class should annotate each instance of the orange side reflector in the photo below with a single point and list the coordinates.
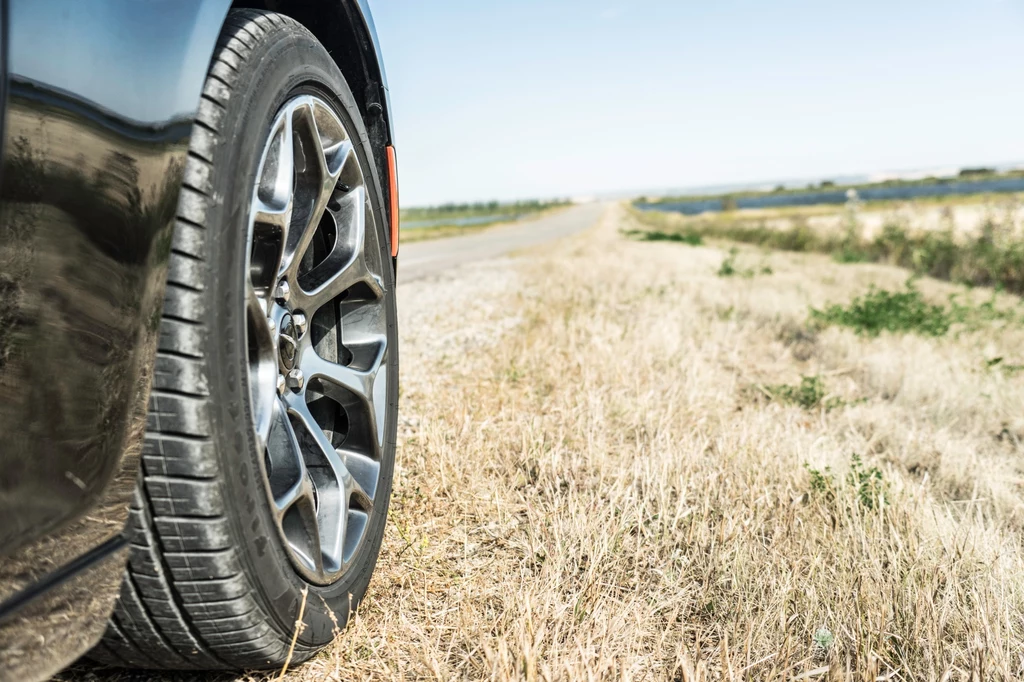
(393, 209)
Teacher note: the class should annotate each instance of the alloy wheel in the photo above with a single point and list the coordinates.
(317, 342)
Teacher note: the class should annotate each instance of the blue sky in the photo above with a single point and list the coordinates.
(535, 98)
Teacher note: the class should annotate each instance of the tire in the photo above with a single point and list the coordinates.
(214, 579)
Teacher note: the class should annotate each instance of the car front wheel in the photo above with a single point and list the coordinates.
(270, 441)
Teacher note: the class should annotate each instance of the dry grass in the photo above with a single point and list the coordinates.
(597, 480)
(592, 487)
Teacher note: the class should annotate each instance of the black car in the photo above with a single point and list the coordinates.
(198, 340)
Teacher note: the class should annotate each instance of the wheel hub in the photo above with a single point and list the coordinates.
(286, 344)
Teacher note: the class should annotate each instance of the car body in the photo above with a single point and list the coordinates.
(98, 101)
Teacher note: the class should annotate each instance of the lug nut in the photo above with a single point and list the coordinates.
(294, 380)
(299, 322)
(282, 292)
(282, 386)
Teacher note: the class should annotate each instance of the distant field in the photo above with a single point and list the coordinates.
(446, 220)
(974, 240)
(970, 181)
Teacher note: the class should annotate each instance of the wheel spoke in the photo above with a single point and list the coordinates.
(331, 511)
(330, 141)
(341, 384)
(277, 172)
(277, 217)
(327, 163)
(291, 488)
(335, 480)
(288, 481)
(334, 376)
(302, 531)
(356, 522)
(256, 307)
(346, 265)
(364, 471)
(334, 457)
(262, 366)
(273, 200)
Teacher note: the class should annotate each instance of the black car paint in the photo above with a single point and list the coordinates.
(98, 102)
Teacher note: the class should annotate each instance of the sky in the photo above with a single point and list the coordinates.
(514, 99)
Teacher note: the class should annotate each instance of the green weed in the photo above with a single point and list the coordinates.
(998, 363)
(895, 311)
(691, 238)
(867, 484)
(907, 311)
(809, 394)
(823, 642)
(728, 268)
(823, 483)
(976, 316)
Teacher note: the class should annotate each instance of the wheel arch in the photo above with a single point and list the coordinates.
(345, 28)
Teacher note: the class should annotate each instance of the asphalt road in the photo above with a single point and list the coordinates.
(423, 259)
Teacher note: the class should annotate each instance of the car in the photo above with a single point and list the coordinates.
(198, 331)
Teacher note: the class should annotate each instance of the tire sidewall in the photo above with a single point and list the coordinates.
(285, 63)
